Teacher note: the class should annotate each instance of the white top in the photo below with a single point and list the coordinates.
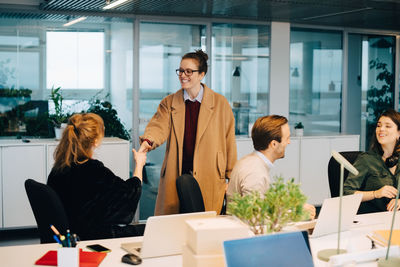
(198, 98)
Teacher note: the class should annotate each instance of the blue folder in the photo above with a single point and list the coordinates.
(275, 250)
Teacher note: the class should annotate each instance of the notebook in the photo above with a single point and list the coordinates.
(281, 249)
(164, 235)
(328, 218)
(382, 237)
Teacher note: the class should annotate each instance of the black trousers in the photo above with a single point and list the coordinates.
(189, 194)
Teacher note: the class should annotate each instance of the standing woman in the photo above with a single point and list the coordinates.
(96, 201)
(199, 128)
(379, 168)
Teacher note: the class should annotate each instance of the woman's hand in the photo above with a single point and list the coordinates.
(310, 209)
(390, 206)
(386, 191)
(140, 157)
(140, 160)
(144, 147)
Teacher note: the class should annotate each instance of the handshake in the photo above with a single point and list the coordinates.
(140, 157)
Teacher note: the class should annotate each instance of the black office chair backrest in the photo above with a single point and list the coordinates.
(189, 194)
(47, 208)
(334, 171)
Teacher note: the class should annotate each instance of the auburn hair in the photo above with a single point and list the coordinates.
(78, 139)
(266, 129)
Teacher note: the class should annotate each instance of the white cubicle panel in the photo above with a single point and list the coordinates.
(244, 146)
(18, 164)
(314, 158)
(114, 153)
(345, 143)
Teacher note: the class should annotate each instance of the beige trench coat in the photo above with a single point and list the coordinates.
(214, 153)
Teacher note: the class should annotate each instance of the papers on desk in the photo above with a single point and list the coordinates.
(381, 237)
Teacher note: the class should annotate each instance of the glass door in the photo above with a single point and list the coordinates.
(371, 63)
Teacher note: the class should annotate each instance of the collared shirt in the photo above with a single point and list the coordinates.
(265, 159)
(198, 98)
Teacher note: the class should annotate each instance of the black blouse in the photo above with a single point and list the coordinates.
(95, 199)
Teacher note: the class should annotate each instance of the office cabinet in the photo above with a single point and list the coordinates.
(306, 160)
(20, 161)
(18, 164)
(314, 157)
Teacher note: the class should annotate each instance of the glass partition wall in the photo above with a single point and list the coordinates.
(315, 80)
(371, 61)
(240, 70)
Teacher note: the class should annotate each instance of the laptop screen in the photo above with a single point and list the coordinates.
(281, 249)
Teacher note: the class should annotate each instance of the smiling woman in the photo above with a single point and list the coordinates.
(199, 128)
(379, 167)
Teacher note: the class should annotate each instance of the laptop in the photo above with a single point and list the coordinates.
(164, 235)
(281, 249)
(328, 218)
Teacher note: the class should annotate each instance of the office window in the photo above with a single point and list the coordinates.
(89, 60)
(75, 59)
(19, 60)
(315, 80)
(240, 70)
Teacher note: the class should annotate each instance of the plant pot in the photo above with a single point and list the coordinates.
(59, 130)
(299, 131)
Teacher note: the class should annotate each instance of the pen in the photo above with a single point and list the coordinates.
(54, 230)
(63, 241)
(75, 240)
(68, 238)
(57, 239)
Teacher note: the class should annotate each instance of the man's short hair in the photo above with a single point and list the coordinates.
(266, 129)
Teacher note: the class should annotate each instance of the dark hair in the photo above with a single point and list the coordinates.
(395, 117)
(78, 139)
(266, 129)
(201, 59)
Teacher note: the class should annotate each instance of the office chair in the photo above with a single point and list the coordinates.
(189, 194)
(334, 171)
(47, 208)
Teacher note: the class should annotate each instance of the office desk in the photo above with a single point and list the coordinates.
(354, 240)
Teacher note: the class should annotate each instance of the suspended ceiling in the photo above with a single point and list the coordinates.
(369, 14)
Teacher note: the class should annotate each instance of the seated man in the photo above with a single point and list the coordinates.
(270, 135)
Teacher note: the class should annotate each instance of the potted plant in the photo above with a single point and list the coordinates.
(268, 213)
(59, 118)
(299, 129)
(112, 123)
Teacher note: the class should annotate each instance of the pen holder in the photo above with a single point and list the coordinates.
(68, 257)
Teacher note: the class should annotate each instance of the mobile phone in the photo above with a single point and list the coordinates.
(98, 248)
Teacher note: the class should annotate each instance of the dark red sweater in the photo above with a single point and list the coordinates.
(191, 116)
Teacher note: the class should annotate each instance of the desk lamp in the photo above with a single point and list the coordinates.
(392, 261)
(325, 254)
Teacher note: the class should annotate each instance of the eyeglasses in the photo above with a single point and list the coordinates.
(188, 72)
